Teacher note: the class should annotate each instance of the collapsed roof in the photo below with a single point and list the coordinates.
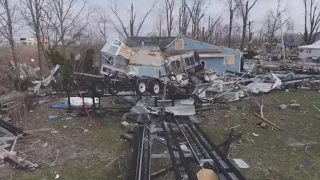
(160, 42)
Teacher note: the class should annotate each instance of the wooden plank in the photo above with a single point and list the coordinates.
(11, 96)
(274, 125)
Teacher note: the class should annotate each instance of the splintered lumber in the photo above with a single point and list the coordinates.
(274, 125)
(11, 156)
(11, 96)
(25, 164)
(38, 130)
(261, 109)
(316, 107)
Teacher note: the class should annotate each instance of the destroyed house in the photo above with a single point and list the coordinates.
(146, 51)
(216, 58)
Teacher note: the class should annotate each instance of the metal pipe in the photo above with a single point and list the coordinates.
(185, 136)
(209, 150)
(169, 145)
(182, 157)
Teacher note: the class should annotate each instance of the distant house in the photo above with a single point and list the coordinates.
(28, 41)
(33, 41)
(310, 51)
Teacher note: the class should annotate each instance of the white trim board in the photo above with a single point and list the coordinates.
(212, 55)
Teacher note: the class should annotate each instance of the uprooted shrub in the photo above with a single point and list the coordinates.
(69, 65)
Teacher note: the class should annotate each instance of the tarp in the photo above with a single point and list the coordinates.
(288, 44)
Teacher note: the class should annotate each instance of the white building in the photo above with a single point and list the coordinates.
(310, 51)
(28, 41)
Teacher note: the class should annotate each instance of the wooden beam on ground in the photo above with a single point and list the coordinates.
(274, 125)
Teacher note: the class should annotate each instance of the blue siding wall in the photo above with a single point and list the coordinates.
(214, 63)
(190, 44)
(217, 64)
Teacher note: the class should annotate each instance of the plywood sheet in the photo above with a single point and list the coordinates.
(229, 60)
(179, 44)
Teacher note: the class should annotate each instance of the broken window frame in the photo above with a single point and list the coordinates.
(106, 59)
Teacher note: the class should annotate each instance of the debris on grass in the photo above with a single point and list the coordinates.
(283, 106)
(45, 145)
(52, 117)
(255, 135)
(262, 125)
(294, 143)
(241, 163)
(304, 164)
(67, 118)
(295, 106)
(274, 125)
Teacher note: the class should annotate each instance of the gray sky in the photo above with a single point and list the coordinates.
(294, 9)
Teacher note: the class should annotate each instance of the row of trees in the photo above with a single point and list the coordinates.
(55, 20)
(64, 22)
(190, 16)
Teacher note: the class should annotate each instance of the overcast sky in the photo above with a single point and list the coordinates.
(294, 9)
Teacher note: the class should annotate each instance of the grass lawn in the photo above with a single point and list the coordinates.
(269, 155)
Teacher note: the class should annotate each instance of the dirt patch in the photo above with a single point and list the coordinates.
(67, 143)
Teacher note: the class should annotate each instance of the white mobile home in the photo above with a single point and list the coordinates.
(310, 51)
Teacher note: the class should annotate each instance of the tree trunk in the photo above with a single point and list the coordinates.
(230, 28)
(39, 51)
(244, 30)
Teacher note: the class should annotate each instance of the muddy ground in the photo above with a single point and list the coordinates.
(76, 150)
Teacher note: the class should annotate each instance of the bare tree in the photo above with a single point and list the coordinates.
(184, 18)
(159, 25)
(244, 7)
(272, 23)
(7, 21)
(123, 30)
(211, 29)
(250, 34)
(68, 24)
(32, 11)
(169, 7)
(311, 19)
(197, 12)
(232, 8)
(102, 24)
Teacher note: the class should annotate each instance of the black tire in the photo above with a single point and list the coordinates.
(155, 88)
(141, 87)
(113, 92)
(297, 86)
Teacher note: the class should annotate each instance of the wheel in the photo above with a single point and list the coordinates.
(141, 87)
(171, 90)
(98, 91)
(113, 92)
(155, 88)
(297, 85)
